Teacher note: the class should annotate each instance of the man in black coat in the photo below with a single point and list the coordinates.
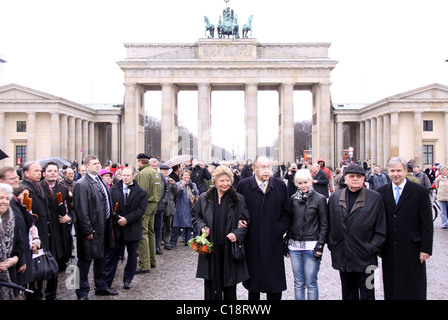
(94, 232)
(32, 172)
(320, 180)
(132, 201)
(268, 204)
(409, 235)
(357, 226)
(199, 173)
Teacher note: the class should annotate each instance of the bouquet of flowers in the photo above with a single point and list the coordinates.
(200, 244)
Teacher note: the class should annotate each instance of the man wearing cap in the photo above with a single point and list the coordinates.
(357, 224)
(148, 179)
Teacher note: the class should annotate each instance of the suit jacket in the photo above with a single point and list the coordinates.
(91, 219)
(409, 232)
(132, 211)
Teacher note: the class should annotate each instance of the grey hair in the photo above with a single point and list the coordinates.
(6, 188)
(152, 160)
(397, 160)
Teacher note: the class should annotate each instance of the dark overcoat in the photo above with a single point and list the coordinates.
(269, 214)
(43, 223)
(409, 232)
(133, 211)
(356, 237)
(90, 219)
(202, 215)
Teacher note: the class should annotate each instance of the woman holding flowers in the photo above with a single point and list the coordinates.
(221, 215)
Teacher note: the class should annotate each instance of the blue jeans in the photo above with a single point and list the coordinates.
(305, 269)
(443, 213)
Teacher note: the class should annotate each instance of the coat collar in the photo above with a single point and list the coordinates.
(232, 193)
(359, 203)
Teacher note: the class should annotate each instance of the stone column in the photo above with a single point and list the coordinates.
(373, 140)
(321, 122)
(251, 121)
(71, 138)
(55, 135)
(64, 136)
(78, 140)
(2, 134)
(394, 138)
(286, 123)
(368, 144)
(85, 137)
(339, 140)
(386, 137)
(114, 142)
(362, 141)
(31, 135)
(379, 141)
(169, 121)
(129, 143)
(204, 122)
(91, 138)
(418, 131)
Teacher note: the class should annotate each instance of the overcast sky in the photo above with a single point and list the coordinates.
(70, 48)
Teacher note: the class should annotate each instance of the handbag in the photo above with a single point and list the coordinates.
(238, 251)
(44, 265)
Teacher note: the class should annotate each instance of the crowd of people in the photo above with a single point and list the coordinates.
(255, 214)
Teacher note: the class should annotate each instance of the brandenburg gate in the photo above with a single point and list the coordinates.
(226, 64)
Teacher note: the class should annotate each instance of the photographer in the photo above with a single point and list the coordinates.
(236, 178)
(377, 178)
(289, 177)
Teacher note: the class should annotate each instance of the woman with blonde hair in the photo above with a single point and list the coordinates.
(222, 214)
(307, 235)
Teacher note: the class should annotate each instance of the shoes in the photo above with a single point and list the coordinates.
(106, 292)
(127, 285)
(141, 271)
(159, 251)
(168, 247)
(83, 298)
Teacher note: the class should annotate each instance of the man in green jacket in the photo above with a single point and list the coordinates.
(149, 180)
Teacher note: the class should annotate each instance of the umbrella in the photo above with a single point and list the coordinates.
(178, 159)
(5, 283)
(3, 155)
(59, 161)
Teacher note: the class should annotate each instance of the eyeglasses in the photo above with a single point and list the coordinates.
(264, 168)
(13, 178)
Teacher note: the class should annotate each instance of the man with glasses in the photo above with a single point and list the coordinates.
(268, 204)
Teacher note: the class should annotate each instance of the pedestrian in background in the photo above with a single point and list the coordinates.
(442, 194)
(148, 179)
(320, 180)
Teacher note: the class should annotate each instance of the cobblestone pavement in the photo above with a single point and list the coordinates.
(174, 277)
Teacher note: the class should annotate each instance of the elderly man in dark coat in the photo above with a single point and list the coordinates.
(320, 180)
(357, 226)
(94, 233)
(268, 204)
(409, 235)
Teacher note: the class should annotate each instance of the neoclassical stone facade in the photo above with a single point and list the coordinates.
(36, 125)
(226, 64)
(413, 125)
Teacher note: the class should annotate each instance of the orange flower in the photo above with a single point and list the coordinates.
(204, 248)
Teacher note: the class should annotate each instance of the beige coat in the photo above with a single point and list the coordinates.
(442, 188)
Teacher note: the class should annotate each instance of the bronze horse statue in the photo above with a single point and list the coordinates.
(209, 27)
(247, 27)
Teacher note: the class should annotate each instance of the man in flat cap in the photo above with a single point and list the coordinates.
(357, 224)
(148, 179)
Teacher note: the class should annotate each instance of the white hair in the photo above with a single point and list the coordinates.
(6, 188)
(397, 160)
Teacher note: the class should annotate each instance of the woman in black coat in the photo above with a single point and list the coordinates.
(218, 213)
